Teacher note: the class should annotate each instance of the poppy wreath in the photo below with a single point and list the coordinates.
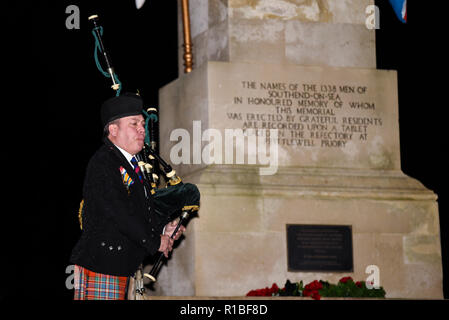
(346, 287)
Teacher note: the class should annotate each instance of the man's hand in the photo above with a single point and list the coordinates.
(170, 228)
(166, 245)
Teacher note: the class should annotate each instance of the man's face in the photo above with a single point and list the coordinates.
(128, 133)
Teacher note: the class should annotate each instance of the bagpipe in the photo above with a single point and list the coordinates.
(177, 200)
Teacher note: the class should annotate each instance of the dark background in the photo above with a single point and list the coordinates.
(51, 123)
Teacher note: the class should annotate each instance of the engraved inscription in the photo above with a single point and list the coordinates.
(306, 114)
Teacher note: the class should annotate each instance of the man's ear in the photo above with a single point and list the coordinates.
(113, 128)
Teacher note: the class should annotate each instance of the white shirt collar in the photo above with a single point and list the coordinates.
(127, 155)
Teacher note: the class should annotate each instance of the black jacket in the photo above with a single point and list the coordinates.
(119, 230)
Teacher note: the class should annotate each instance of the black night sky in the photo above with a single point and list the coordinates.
(56, 91)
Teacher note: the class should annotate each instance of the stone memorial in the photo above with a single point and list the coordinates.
(285, 120)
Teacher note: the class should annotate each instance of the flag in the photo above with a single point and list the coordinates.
(400, 8)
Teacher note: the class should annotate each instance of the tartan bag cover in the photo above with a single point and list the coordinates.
(91, 285)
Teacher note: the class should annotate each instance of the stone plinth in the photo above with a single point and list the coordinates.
(291, 124)
(239, 241)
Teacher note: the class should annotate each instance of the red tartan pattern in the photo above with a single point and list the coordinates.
(91, 285)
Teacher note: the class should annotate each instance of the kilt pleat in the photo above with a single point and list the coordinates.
(91, 285)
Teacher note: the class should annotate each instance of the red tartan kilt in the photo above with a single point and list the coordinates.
(91, 285)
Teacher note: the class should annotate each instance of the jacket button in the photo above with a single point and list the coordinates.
(110, 248)
(103, 244)
(144, 240)
(119, 248)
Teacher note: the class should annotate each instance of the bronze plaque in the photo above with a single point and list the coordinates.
(319, 248)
